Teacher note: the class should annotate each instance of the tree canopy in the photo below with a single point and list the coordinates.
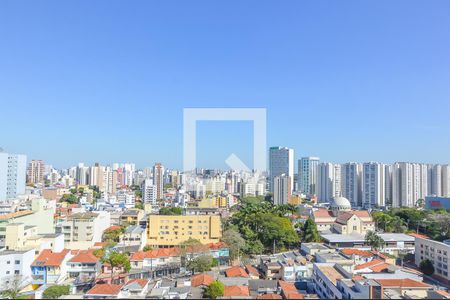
(426, 266)
(263, 225)
(214, 290)
(374, 240)
(56, 291)
(310, 234)
(168, 211)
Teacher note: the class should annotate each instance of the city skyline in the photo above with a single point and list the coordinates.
(337, 82)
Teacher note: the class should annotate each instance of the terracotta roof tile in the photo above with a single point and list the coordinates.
(369, 264)
(85, 256)
(105, 289)
(289, 290)
(49, 258)
(201, 280)
(163, 252)
(422, 236)
(236, 272)
(252, 270)
(142, 282)
(353, 251)
(404, 283)
(236, 291)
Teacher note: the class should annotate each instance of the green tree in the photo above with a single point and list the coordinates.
(426, 266)
(201, 263)
(214, 290)
(310, 234)
(56, 291)
(139, 205)
(189, 248)
(113, 235)
(234, 241)
(70, 198)
(168, 211)
(374, 240)
(147, 248)
(116, 260)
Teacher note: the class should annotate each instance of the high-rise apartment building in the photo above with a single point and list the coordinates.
(149, 192)
(36, 171)
(281, 161)
(12, 175)
(308, 168)
(373, 185)
(436, 180)
(158, 180)
(281, 189)
(409, 183)
(446, 180)
(351, 183)
(329, 182)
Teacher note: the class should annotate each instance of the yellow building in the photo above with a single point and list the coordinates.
(169, 231)
(132, 217)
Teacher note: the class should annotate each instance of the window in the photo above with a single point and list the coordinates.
(17, 262)
(17, 272)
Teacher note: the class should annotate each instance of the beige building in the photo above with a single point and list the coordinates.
(341, 219)
(437, 252)
(21, 237)
(35, 172)
(41, 215)
(168, 231)
(83, 230)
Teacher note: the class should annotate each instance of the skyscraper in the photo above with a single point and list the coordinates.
(308, 168)
(281, 189)
(446, 180)
(436, 180)
(329, 181)
(351, 183)
(35, 171)
(373, 185)
(158, 180)
(12, 175)
(409, 183)
(281, 161)
(149, 192)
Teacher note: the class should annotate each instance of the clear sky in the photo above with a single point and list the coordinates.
(108, 80)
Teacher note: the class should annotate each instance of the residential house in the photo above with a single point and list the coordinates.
(84, 265)
(50, 267)
(16, 263)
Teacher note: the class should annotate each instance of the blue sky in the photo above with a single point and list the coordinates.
(108, 80)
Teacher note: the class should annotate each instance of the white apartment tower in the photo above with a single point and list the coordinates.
(446, 180)
(373, 185)
(329, 181)
(351, 183)
(13, 169)
(281, 189)
(281, 161)
(409, 183)
(149, 192)
(308, 168)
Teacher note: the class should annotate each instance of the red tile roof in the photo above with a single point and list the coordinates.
(105, 289)
(50, 259)
(236, 291)
(163, 252)
(236, 272)
(289, 290)
(402, 283)
(85, 256)
(269, 296)
(380, 267)
(114, 227)
(216, 246)
(141, 282)
(252, 270)
(369, 264)
(201, 280)
(353, 251)
(323, 213)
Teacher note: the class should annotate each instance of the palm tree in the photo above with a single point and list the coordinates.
(374, 240)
